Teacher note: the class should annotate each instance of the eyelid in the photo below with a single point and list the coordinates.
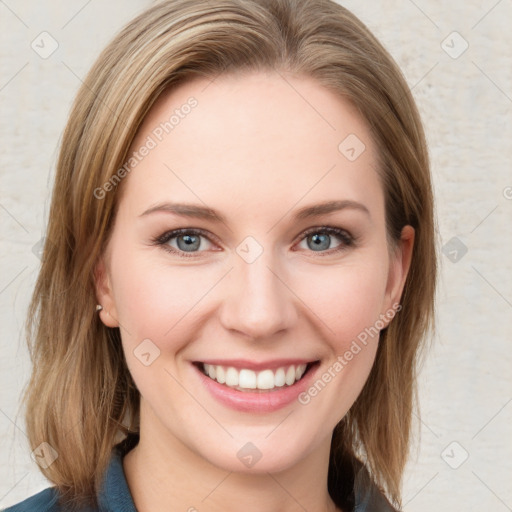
(331, 230)
(172, 233)
(347, 238)
(162, 240)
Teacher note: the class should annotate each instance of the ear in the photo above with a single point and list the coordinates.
(104, 294)
(398, 268)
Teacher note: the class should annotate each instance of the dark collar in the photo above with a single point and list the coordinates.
(115, 495)
(368, 497)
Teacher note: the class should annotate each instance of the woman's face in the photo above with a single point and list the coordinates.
(263, 281)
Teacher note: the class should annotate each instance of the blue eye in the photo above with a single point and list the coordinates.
(320, 239)
(189, 241)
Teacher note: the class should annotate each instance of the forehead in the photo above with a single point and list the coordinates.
(250, 140)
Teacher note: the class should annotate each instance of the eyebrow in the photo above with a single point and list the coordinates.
(203, 212)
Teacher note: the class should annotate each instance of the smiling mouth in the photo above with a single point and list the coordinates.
(244, 379)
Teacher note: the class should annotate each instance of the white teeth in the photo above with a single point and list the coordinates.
(290, 375)
(299, 371)
(249, 379)
(266, 380)
(221, 375)
(231, 377)
(280, 378)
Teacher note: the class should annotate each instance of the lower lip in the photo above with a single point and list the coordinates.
(264, 401)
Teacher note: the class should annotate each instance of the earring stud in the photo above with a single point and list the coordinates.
(99, 307)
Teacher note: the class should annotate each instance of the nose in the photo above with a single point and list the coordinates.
(259, 303)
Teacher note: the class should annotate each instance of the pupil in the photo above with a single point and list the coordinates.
(318, 240)
(190, 240)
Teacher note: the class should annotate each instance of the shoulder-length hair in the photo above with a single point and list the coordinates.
(81, 398)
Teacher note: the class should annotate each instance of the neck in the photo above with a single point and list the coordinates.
(164, 474)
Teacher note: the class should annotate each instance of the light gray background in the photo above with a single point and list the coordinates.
(466, 102)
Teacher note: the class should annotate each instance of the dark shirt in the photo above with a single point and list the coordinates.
(115, 495)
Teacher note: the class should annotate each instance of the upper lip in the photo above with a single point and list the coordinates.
(254, 365)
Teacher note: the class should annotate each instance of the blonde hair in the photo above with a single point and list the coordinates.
(81, 398)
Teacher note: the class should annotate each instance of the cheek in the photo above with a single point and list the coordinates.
(158, 301)
(348, 299)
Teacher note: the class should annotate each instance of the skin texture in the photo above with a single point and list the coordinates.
(256, 148)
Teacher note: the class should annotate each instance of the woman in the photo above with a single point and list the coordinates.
(239, 270)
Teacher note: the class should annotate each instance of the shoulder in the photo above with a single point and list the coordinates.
(114, 494)
(44, 501)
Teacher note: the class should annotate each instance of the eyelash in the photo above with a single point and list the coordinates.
(347, 239)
